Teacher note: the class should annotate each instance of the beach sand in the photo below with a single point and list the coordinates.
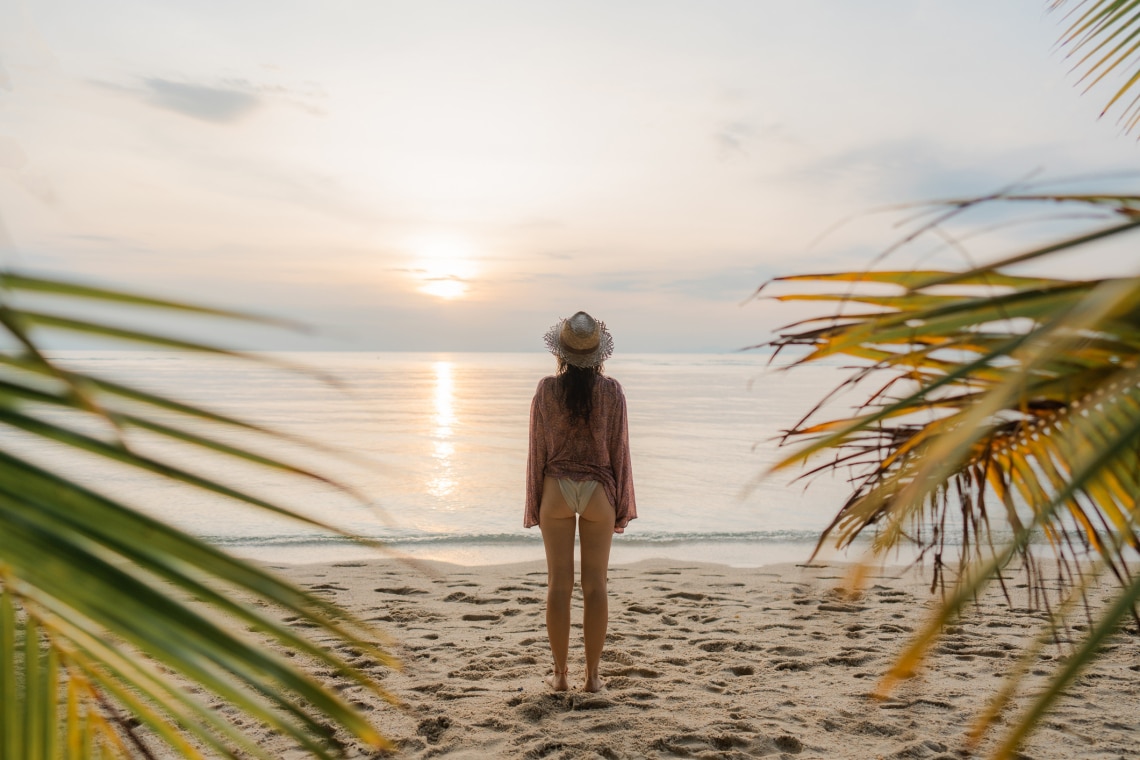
(706, 661)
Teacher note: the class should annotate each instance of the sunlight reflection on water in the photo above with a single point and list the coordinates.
(442, 484)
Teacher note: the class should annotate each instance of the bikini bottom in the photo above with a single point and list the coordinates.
(577, 493)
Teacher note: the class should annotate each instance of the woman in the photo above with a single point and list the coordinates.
(578, 442)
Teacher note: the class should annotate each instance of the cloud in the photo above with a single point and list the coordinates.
(214, 104)
(737, 140)
(721, 284)
(727, 285)
(306, 95)
(223, 102)
(731, 140)
(910, 170)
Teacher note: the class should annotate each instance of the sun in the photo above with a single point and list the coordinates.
(447, 288)
(443, 265)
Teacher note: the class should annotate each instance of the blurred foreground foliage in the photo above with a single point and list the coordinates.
(117, 631)
(1003, 408)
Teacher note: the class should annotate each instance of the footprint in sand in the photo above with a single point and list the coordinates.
(686, 745)
(714, 646)
(613, 655)
(840, 607)
(432, 728)
(852, 658)
(400, 614)
(459, 596)
(640, 696)
(535, 707)
(637, 671)
(643, 609)
(785, 626)
(400, 591)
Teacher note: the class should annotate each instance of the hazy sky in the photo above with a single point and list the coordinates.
(457, 175)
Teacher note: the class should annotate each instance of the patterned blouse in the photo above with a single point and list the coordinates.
(599, 450)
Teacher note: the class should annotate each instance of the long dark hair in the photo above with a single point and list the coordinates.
(577, 386)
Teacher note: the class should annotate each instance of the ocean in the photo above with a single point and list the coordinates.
(433, 449)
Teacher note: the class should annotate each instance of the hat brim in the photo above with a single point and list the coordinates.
(592, 359)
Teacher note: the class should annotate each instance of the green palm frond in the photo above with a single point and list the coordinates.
(1004, 410)
(111, 622)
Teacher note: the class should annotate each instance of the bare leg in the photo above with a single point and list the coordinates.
(597, 532)
(557, 521)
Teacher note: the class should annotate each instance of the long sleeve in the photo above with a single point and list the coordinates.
(535, 464)
(626, 504)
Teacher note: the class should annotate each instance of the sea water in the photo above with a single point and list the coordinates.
(430, 453)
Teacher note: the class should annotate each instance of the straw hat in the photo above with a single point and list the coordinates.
(580, 340)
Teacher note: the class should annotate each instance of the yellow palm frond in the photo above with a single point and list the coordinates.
(1009, 416)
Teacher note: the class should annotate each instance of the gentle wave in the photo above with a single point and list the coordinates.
(533, 538)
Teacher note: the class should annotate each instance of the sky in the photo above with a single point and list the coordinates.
(456, 176)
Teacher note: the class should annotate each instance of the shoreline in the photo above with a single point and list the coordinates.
(740, 554)
(702, 660)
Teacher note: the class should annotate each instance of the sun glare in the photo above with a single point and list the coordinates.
(446, 289)
(443, 266)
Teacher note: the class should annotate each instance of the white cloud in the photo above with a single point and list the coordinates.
(215, 104)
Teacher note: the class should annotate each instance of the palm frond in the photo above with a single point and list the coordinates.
(1010, 414)
(107, 616)
(1104, 37)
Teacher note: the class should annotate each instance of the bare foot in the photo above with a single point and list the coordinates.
(594, 683)
(557, 681)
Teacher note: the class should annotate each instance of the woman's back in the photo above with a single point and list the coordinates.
(563, 446)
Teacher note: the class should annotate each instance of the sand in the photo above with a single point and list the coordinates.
(705, 661)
